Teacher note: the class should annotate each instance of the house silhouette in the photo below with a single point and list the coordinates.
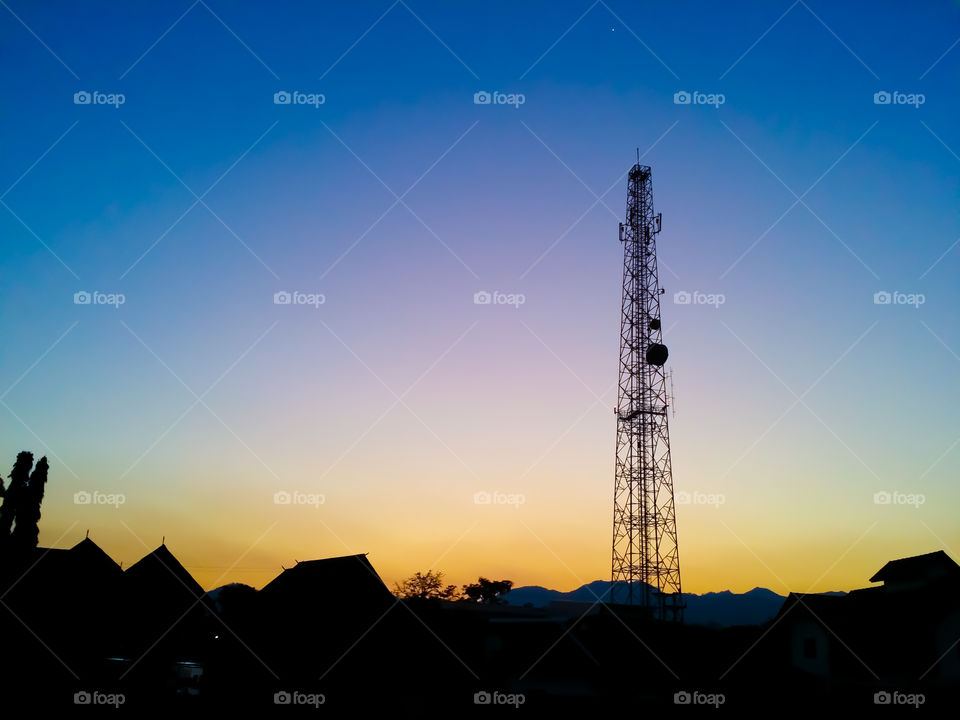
(311, 615)
(902, 630)
(330, 583)
(331, 626)
(166, 619)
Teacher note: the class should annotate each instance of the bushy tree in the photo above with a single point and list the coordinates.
(425, 586)
(236, 602)
(487, 592)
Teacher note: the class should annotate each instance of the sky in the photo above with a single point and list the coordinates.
(158, 193)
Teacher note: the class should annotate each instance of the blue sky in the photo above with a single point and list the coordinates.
(522, 200)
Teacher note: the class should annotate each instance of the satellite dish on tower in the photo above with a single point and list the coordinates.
(656, 354)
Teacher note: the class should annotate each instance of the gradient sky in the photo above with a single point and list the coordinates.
(399, 399)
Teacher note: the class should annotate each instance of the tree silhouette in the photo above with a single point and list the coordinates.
(20, 511)
(425, 586)
(26, 533)
(487, 592)
(12, 495)
(236, 596)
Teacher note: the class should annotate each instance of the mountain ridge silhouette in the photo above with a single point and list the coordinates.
(719, 608)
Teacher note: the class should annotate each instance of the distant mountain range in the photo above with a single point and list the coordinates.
(715, 608)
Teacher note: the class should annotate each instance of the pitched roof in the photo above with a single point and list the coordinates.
(161, 568)
(350, 577)
(918, 567)
(92, 555)
(82, 570)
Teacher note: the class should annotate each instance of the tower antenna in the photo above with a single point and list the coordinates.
(646, 561)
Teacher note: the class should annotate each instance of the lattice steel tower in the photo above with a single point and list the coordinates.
(646, 563)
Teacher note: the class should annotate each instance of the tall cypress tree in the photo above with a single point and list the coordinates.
(26, 532)
(13, 496)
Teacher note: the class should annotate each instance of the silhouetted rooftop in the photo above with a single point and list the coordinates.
(92, 554)
(350, 577)
(918, 567)
(161, 568)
